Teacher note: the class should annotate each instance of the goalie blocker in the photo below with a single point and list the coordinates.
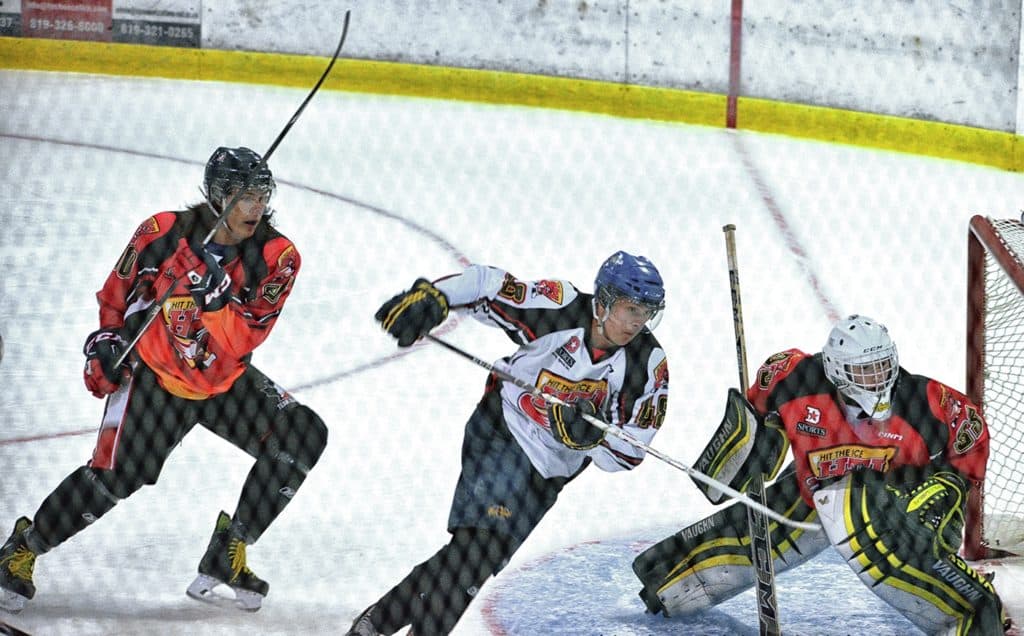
(730, 456)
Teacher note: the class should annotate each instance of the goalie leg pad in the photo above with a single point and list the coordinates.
(744, 446)
(709, 562)
(870, 529)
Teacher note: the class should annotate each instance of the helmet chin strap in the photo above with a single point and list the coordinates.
(600, 321)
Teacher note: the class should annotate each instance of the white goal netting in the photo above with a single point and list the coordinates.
(996, 370)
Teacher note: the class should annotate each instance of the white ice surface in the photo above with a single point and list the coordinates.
(376, 191)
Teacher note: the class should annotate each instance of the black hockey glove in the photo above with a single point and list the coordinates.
(933, 509)
(211, 290)
(102, 349)
(569, 427)
(410, 315)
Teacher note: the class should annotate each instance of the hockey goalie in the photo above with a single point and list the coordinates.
(882, 459)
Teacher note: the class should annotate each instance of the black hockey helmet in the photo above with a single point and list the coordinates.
(229, 169)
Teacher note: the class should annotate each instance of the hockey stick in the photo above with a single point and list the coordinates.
(155, 307)
(757, 522)
(626, 437)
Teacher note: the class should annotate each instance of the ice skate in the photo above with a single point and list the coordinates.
(223, 565)
(16, 564)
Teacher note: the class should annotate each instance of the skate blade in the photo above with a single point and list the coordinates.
(11, 601)
(209, 590)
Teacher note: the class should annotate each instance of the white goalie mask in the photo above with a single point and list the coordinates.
(861, 360)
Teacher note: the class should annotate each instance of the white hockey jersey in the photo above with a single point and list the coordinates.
(551, 321)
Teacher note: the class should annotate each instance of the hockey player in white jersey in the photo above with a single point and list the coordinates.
(594, 352)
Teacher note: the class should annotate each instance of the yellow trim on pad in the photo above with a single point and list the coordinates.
(936, 139)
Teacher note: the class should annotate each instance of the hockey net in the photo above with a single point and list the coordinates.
(995, 381)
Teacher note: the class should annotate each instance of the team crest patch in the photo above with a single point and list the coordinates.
(773, 366)
(839, 460)
(550, 289)
(513, 290)
(286, 261)
(565, 389)
(968, 432)
(661, 374)
(272, 292)
(149, 226)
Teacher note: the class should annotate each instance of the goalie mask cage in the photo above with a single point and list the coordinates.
(995, 382)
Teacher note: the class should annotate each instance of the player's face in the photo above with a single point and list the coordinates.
(872, 376)
(244, 217)
(625, 320)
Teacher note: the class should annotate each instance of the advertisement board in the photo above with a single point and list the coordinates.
(159, 22)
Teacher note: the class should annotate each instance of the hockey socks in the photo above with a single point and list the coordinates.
(435, 595)
(78, 501)
(280, 470)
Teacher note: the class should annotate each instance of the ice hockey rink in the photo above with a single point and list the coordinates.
(377, 191)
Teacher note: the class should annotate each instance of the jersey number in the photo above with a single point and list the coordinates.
(649, 416)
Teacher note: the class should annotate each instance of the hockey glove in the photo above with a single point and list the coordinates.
(934, 510)
(207, 281)
(211, 290)
(569, 427)
(102, 349)
(410, 315)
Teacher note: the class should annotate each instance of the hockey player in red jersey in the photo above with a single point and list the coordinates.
(882, 458)
(596, 352)
(190, 366)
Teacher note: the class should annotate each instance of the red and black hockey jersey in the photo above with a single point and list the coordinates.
(197, 354)
(930, 423)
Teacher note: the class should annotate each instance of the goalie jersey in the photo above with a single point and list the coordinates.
(551, 321)
(830, 440)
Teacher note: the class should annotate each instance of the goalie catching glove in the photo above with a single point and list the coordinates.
(933, 510)
(102, 349)
(410, 315)
(570, 428)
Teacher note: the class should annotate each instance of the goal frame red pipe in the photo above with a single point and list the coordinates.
(981, 238)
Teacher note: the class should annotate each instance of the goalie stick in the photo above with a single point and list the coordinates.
(757, 522)
(629, 439)
(155, 307)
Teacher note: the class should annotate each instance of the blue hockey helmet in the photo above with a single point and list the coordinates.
(634, 278)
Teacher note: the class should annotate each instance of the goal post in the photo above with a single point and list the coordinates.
(995, 382)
